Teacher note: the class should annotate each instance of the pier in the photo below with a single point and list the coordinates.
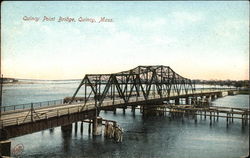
(152, 88)
(212, 112)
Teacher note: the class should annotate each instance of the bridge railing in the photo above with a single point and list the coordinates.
(43, 113)
(29, 105)
(60, 101)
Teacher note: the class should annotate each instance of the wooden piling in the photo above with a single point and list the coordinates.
(81, 129)
(214, 116)
(227, 118)
(89, 127)
(5, 148)
(76, 124)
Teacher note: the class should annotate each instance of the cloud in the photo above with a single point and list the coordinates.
(146, 23)
(183, 17)
(232, 29)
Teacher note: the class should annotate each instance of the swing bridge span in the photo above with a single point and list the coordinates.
(144, 86)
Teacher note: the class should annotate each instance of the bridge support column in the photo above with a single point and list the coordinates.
(133, 109)
(177, 101)
(76, 127)
(97, 126)
(5, 148)
(124, 110)
(187, 101)
(81, 127)
(193, 100)
(211, 97)
(66, 127)
(215, 96)
(89, 128)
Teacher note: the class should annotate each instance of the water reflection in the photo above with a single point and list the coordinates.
(51, 131)
(145, 137)
(66, 137)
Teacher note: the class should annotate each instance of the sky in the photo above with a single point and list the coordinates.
(198, 40)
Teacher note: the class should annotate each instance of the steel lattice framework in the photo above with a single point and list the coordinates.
(140, 81)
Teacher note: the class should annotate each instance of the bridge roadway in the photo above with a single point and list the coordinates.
(20, 122)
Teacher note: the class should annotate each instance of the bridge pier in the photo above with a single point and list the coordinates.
(97, 126)
(124, 110)
(213, 97)
(76, 127)
(193, 100)
(208, 97)
(89, 128)
(81, 129)
(133, 109)
(187, 101)
(5, 148)
(177, 101)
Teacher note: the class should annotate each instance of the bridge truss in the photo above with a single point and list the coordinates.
(140, 81)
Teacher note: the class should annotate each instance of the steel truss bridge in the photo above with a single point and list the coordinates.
(141, 81)
(143, 85)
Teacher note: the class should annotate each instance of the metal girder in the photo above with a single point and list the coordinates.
(140, 81)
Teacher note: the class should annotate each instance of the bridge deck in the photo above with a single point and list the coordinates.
(22, 116)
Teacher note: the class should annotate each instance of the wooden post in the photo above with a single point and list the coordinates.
(195, 117)
(232, 115)
(133, 109)
(187, 101)
(81, 127)
(217, 115)
(31, 112)
(5, 148)
(177, 101)
(76, 124)
(89, 127)
(242, 119)
(214, 115)
(227, 118)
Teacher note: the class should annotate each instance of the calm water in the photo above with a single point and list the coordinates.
(156, 137)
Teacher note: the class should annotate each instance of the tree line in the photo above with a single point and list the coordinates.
(238, 84)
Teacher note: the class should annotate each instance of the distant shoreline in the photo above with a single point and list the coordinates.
(19, 82)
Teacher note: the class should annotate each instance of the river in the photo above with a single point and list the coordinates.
(151, 137)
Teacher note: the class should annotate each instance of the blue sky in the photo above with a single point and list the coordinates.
(199, 40)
